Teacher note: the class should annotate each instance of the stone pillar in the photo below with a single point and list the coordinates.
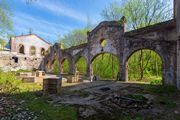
(88, 70)
(126, 77)
(177, 17)
(178, 63)
(71, 66)
(122, 72)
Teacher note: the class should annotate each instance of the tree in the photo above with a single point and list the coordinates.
(5, 21)
(76, 37)
(2, 44)
(140, 13)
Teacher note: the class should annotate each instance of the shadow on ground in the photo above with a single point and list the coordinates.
(100, 100)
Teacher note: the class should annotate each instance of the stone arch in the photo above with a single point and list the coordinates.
(137, 50)
(79, 66)
(55, 63)
(21, 49)
(110, 65)
(43, 51)
(78, 57)
(32, 50)
(167, 70)
(62, 65)
(130, 53)
(96, 55)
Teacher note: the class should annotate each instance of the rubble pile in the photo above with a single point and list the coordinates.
(11, 110)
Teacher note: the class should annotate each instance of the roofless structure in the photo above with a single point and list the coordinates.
(163, 38)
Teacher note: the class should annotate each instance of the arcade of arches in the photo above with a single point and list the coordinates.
(110, 37)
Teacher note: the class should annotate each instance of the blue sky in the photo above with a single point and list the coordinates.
(50, 18)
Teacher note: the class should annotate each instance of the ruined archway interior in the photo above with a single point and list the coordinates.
(105, 66)
(145, 66)
(43, 52)
(81, 65)
(56, 67)
(65, 66)
(21, 49)
(32, 50)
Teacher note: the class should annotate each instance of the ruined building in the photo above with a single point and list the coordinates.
(163, 38)
(26, 52)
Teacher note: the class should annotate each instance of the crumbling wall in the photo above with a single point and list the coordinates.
(12, 62)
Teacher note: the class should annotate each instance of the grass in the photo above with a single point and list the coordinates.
(167, 102)
(39, 105)
(161, 89)
(9, 84)
(45, 111)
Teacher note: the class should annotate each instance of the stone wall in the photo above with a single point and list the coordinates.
(10, 61)
(161, 38)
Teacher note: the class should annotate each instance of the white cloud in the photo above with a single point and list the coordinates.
(46, 29)
(61, 10)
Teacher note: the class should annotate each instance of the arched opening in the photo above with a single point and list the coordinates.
(43, 52)
(145, 66)
(32, 50)
(81, 65)
(56, 66)
(21, 49)
(103, 43)
(48, 51)
(105, 66)
(65, 66)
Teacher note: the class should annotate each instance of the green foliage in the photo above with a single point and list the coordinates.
(161, 89)
(49, 112)
(20, 70)
(5, 21)
(149, 64)
(2, 44)
(137, 97)
(76, 37)
(56, 67)
(106, 66)
(139, 13)
(81, 65)
(103, 43)
(8, 82)
(156, 82)
(44, 110)
(167, 101)
(65, 66)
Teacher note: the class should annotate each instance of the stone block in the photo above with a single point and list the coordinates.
(52, 85)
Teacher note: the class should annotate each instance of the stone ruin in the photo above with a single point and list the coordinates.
(163, 38)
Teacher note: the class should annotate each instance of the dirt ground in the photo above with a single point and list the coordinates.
(112, 100)
(106, 100)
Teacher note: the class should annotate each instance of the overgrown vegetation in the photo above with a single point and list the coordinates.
(26, 92)
(8, 83)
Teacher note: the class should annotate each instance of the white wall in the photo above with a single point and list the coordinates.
(28, 41)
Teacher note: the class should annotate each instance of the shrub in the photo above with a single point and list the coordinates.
(8, 82)
(156, 82)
